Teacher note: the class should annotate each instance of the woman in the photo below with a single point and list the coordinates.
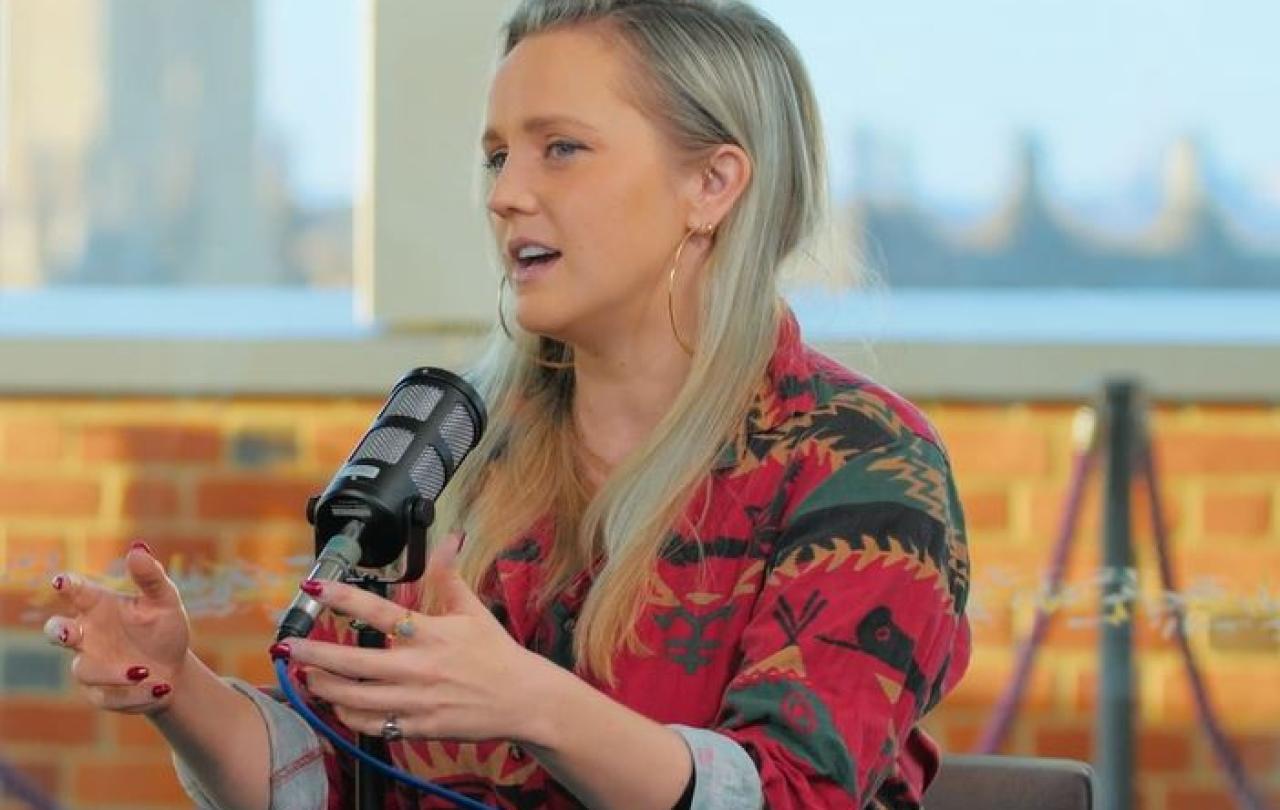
(703, 565)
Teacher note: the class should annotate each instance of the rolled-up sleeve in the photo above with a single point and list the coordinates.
(298, 775)
(725, 777)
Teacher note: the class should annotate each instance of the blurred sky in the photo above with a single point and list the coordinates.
(1108, 85)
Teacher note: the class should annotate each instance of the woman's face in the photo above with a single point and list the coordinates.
(586, 181)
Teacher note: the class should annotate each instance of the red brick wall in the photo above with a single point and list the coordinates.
(217, 487)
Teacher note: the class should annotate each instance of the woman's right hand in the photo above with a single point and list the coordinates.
(130, 648)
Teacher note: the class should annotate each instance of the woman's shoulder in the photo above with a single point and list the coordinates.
(817, 396)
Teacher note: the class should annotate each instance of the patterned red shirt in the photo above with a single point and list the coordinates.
(827, 620)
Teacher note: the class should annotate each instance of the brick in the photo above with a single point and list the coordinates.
(1239, 570)
(1237, 513)
(133, 784)
(1241, 690)
(1225, 453)
(988, 677)
(1196, 798)
(254, 498)
(962, 736)
(1073, 628)
(255, 667)
(1074, 741)
(39, 773)
(993, 627)
(1048, 504)
(35, 557)
(149, 498)
(1165, 750)
(136, 731)
(187, 551)
(47, 722)
(1259, 752)
(998, 451)
(34, 441)
(334, 441)
(986, 511)
(253, 621)
(258, 449)
(152, 443)
(20, 608)
(59, 497)
(286, 555)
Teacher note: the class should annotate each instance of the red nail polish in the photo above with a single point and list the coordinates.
(137, 673)
(160, 690)
(138, 544)
(59, 582)
(312, 588)
(279, 650)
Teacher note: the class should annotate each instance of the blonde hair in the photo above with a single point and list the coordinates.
(710, 74)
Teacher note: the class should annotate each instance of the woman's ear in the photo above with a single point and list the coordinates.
(722, 180)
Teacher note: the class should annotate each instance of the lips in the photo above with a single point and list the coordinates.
(530, 258)
(528, 270)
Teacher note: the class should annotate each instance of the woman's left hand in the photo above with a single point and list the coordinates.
(456, 675)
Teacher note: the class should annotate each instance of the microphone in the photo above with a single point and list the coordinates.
(382, 499)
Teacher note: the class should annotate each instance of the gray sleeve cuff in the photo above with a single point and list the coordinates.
(298, 778)
(725, 775)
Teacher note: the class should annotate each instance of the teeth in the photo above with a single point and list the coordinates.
(534, 252)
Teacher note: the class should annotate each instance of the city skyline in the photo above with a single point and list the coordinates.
(1115, 83)
(294, 150)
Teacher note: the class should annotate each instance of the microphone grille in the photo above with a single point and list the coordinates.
(414, 401)
(459, 432)
(386, 444)
(428, 474)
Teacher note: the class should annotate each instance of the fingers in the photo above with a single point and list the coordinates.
(359, 695)
(63, 631)
(92, 671)
(381, 614)
(149, 576)
(373, 724)
(351, 662)
(449, 594)
(444, 555)
(74, 593)
(137, 699)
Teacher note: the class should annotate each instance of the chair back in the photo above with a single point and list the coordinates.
(981, 782)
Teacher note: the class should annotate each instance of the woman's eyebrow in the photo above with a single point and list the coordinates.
(540, 123)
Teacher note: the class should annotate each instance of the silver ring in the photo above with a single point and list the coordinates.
(404, 627)
(390, 729)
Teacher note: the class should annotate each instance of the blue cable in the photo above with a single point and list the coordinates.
(282, 675)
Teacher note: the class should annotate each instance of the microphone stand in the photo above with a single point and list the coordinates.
(371, 786)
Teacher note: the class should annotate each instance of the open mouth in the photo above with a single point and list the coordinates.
(538, 261)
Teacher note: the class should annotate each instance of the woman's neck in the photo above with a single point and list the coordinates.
(620, 397)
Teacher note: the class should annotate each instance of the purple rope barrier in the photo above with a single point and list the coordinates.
(997, 728)
(1247, 795)
(15, 783)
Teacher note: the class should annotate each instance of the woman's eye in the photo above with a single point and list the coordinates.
(562, 149)
(494, 163)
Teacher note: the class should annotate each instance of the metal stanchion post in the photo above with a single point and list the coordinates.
(1113, 750)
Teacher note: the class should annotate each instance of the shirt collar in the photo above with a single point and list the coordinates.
(786, 390)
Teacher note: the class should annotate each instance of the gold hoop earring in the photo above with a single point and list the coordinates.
(502, 320)
(702, 230)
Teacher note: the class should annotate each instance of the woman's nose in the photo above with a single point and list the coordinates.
(511, 192)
